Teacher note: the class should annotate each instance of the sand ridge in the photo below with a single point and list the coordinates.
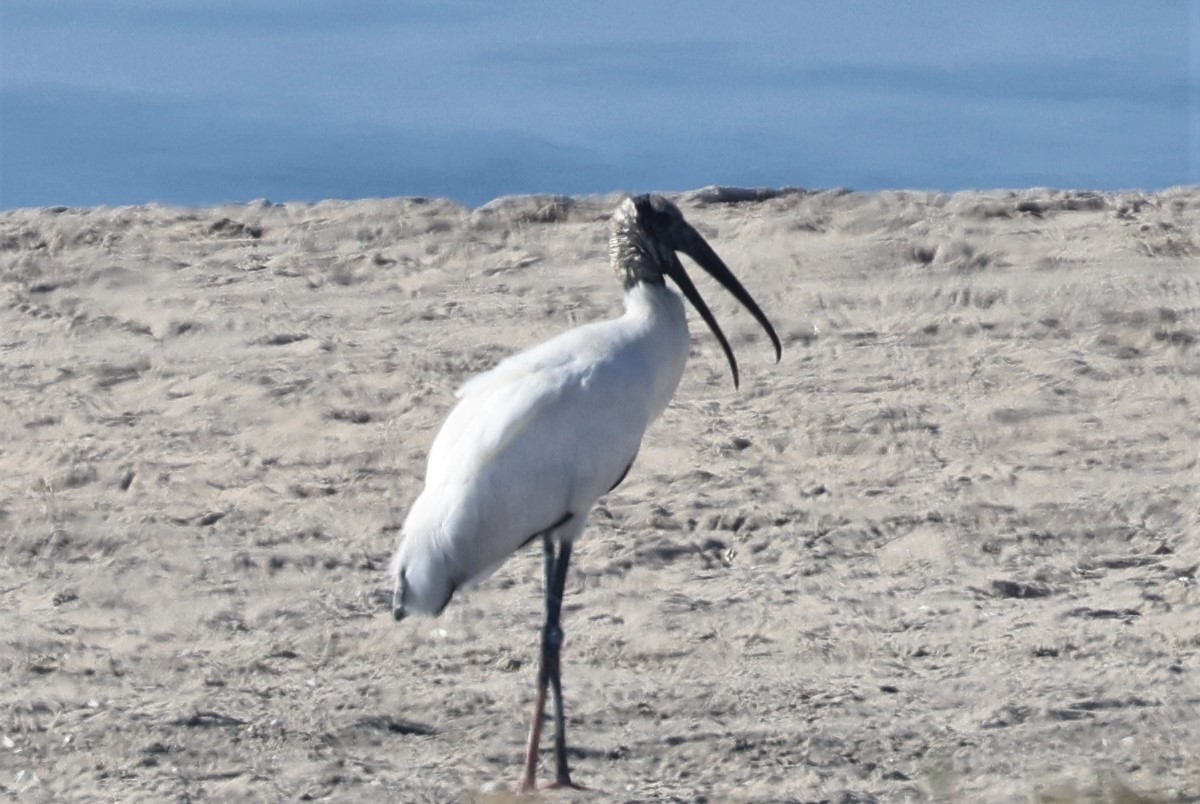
(946, 548)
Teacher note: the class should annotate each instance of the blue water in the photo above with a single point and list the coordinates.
(130, 101)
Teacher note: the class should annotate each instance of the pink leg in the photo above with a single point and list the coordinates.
(529, 777)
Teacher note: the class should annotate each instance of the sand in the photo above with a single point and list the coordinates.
(946, 549)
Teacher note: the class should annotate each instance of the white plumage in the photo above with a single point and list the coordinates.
(542, 435)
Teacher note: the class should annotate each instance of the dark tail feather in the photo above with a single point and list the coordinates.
(398, 610)
(398, 601)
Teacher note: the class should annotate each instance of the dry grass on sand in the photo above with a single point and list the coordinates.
(946, 549)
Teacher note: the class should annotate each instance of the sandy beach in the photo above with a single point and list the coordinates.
(946, 549)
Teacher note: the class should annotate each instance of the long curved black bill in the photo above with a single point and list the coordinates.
(695, 247)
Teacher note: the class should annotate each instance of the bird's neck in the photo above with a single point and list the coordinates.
(654, 302)
(657, 322)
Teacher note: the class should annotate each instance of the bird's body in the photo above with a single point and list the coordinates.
(541, 436)
(533, 443)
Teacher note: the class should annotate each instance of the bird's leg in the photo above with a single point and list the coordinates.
(549, 671)
(554, 639)
(529, 776)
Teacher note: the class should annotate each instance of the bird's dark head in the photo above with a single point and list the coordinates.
(647, 233)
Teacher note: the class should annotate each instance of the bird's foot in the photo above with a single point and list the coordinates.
(529, 786)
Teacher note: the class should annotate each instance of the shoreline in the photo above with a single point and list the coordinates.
(708, 194)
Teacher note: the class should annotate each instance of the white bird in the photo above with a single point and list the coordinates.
(533, 443)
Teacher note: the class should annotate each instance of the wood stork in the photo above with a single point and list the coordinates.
(534, 442)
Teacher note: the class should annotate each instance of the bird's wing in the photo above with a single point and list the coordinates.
(540, 436)
(495, 408)
(485, 422)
